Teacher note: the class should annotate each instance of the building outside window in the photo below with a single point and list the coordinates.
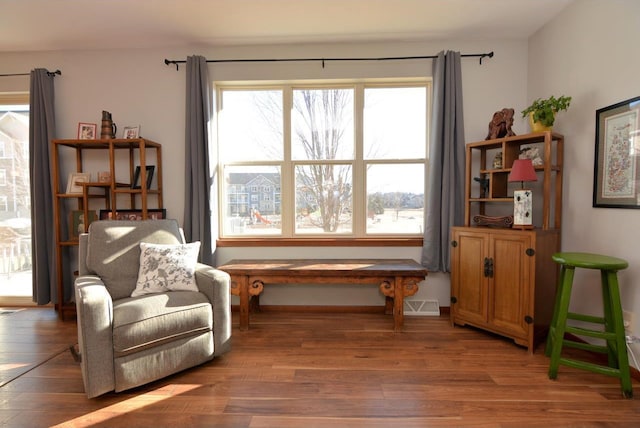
(339, 159)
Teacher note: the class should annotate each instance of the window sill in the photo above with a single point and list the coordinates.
(319, 242)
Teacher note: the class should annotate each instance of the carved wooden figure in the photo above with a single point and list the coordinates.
(501, 123)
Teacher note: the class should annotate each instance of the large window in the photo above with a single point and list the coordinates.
(340, 160)
(15, 200)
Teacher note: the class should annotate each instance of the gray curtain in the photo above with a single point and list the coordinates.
(199, 221)
(42, 129)
(445, 181)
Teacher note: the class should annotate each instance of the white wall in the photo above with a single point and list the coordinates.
(590, 53)
(138, 89)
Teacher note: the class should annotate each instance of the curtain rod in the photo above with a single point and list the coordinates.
(50, 73)
(323, 60)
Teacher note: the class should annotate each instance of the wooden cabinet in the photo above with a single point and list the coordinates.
(503, 280)
(120, 158)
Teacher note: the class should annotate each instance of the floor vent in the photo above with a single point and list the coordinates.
(422, 308)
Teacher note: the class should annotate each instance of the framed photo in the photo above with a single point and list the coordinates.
(131, 132)
(78, 224)
(616, 178)
(75, 178)
(136, 177)
(87, 131)
(152, 214)
(104, 176)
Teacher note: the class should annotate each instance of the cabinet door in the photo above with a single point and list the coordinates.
(469, 283)
(509, 290)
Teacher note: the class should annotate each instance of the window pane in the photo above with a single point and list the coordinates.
(322, 124)
(15, 202)
(250, 125)
(323, 198)
(395, 123)
(252, 200)
(395, 198)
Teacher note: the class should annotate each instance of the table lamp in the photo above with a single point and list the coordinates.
(522, 170)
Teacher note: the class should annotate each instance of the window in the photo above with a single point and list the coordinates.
(3, 177)
(341, 160)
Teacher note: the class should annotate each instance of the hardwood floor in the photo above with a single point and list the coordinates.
(313, 370)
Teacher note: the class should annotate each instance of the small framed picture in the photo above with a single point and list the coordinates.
(152, 214)
(136, 177)
(87, 131)
(75, 178)
(78, 224)
(131, 132)
(104, 177)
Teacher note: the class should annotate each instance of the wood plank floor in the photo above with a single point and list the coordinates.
(313, 370)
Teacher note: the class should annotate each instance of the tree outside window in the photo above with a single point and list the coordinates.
(344, 171)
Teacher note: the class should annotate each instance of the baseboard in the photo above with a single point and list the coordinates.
(317, 308)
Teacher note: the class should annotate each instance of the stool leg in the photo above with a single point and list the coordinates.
(554, 318)
(618, 327)
(561, 320)
(609, 324)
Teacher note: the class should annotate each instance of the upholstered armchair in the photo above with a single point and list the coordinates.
(170, 324)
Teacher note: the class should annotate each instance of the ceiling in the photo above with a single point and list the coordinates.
(44, 25)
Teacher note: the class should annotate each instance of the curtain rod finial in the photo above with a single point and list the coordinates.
(490, 55)
(167, 62)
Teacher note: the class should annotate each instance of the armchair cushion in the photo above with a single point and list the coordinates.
(143, 323)
(113, 250)
(167, 268)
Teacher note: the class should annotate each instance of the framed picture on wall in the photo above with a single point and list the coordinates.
(616, 178)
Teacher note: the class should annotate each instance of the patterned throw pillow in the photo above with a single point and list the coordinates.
(167, 268)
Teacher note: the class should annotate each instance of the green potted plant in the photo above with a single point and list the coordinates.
(542, 113)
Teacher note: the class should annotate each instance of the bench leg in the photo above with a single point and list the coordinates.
(398, 304)
(244, 302)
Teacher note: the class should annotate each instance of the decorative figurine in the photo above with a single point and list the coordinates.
(497, 161)
(501, 123)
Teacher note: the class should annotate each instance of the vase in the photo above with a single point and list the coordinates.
(537, 126)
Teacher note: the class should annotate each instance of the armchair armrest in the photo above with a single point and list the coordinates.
(215, 284)
(94, 309)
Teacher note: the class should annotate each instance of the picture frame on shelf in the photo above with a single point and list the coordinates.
(136, 176)
(152, 214)
(77, 222)
(131, 132)
(73, 183)
(104, 176)
(616, 178)
(87, 131)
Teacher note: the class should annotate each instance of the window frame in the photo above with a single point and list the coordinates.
(358, 236)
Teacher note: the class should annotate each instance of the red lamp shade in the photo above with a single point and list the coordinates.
(522, 170)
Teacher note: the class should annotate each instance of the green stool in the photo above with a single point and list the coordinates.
(613, 334)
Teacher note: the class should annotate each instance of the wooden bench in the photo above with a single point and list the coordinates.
(396, 278)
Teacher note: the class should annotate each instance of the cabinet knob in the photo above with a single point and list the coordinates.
(530, 252)
(454, 299)
(528, 319)
(454, 244)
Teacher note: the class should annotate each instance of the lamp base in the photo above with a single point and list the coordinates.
(522, 209)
